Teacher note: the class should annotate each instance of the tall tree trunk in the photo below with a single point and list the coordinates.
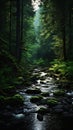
(64, 37)
(22, 5)
(18, 31)
(10, 29)
(64, 30)
(70, 33)
(64, 45)
(22, 21)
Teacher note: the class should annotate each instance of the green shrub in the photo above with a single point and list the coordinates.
(59, 67)
(62, 68)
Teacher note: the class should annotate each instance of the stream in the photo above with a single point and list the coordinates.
(27, 118)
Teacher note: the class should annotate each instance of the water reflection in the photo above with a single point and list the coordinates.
(32, 123)
(38, 125)
(48, 123)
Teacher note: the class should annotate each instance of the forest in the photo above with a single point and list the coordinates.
(36, 64)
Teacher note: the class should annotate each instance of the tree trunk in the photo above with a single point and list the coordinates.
(64, 30)
(64, 37)
(10, 29)
(18, 31)
(70, 34)
(21, 25)
(22, 20)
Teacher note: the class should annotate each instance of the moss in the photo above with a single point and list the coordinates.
(43, 110)
(45, 94)
(16, 100)
(52, 102)
(35, 99)
(59, 92)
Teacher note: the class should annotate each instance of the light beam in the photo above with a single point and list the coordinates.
(36, 4)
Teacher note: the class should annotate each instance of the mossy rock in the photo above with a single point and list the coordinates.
(43, 110)
(16, 100)
(52, 102)
(45, 94)
(40, 117)
(59, 93)
(33, 91)
(35, 99)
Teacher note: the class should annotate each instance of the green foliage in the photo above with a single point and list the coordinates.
(59, 67)
(39, 62)
(62, 68)
(69, 74)
(18, 81)
(7, 76)
(57, 46)
(37, 45)
(57, 25)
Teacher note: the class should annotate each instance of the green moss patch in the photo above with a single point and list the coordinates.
(16, 100)
(52, 102)
(35, 99)
(59, 92)
(45, 94)
(43, 110)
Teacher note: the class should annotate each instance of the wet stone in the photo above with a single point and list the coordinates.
(33, 91)
(40, 117)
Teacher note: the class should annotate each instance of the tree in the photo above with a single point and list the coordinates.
(18, 30)
(57, 20)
